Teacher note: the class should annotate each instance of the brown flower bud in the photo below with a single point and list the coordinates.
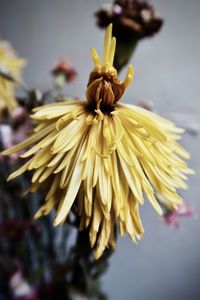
(104, 88)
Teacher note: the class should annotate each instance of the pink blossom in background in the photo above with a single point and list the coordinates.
(63, 67)
(21, 289)
(173, 218)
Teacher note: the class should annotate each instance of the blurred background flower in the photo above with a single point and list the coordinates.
(172, 217)
(63, 72)
(10, 72)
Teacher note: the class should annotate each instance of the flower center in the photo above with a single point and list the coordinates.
(104, 88)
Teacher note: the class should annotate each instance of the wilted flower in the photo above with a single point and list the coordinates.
(102, 157)
(132, 21)
(130, 17)
(10, 72)
(63, 72)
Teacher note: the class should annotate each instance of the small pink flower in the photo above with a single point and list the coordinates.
(21, 289)
(184, 210)
(172, 218)
(19, 113)
(63, 67)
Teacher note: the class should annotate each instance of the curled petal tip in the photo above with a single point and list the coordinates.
(56, 222)
(129, 76)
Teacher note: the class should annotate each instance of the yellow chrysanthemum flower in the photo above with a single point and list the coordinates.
(10, 68)
(102, 157)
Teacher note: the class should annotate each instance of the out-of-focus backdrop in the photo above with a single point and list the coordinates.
(166, 263)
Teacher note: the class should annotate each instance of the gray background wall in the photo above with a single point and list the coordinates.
(165, 265)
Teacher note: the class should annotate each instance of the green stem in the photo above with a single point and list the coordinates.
(124, 51)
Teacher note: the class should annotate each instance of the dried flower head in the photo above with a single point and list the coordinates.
(130, 18)
(10, 71)
(102, 157)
